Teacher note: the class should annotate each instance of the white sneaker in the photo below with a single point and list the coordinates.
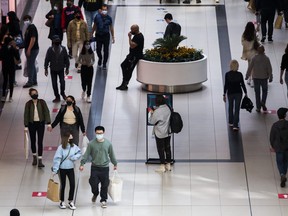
(168, 167)
(62, 205)
(252, 84)
(88, 99)
(103, 204)
(217, 1)
(83, 95)
(3, 99)
(161, 169)
(71, 206)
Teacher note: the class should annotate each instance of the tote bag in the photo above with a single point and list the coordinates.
(26, 147)
(278, 22)
(115, 187)
(53, 191)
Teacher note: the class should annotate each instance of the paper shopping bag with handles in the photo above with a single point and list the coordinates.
(53, 191)
(115, 187)
(278, 22)
(26, 147)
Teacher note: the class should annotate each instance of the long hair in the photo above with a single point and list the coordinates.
(83, 51)
(64, 140)
(249, 32)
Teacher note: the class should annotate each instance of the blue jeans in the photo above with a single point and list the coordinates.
(263, 83)
(234, 101)
(32, 73)
(90, 15)
(282, 159)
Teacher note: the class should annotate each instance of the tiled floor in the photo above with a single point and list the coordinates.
(217, 172)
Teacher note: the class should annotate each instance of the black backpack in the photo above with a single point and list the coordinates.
(176, 123)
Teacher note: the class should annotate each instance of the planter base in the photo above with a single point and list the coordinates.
(172, 89)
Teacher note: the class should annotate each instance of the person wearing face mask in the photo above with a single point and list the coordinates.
(87, 60)
(77, 33)
(56, 2)
(91, 8)
(57, 59)
(136, 45)
(101, 151)
(103, 27)
(31, 50)
(9, 54)
(54, 16)
(68, 14)
(63, 164)
(70, 119)
(36, 115)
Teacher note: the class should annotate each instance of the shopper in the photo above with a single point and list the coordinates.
(54, 15)
(136, 45)
(101, 151)
(279, 143)
(160, 118)
(87, 60)
(262, 72)
(57, 59)
(64, 162)
(172, 27)
(284, 68)
(104, 30)
(36, 115)
(9, 55)
(233, 87)
(70, 119)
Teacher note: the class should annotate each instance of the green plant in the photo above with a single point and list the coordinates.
(168, 50)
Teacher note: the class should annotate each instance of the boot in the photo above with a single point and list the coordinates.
(123, 86)
(40, 164)
(168, 167)
(161, 169)
(34, 163)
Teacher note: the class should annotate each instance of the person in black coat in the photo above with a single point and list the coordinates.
(284, 68)
(234, 84)
(55, 15)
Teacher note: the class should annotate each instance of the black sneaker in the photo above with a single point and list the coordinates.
(186, 2)
(263, 39)
(270, 39)
(28, 85)
(283, 181)
(122, 87)
(76, 65)
(198, 1)
(94, 199)
(56, 100)
(99, 63)
(104, 67)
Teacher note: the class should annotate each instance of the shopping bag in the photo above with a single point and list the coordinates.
(53, 191)
(115, 187)
(279, 21)
(26, 147)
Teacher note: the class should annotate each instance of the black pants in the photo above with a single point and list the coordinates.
(8, 75)
(72, 129)
(103, 41)
(86, 78)
(71, 177)
(267, 15)
(99, 175)
(54, 75)
(164, 148)
(128, 66)
(39, 128)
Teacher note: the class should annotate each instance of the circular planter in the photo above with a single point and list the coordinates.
(170, 77)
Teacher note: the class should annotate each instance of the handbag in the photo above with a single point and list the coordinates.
(53, 191)
(278, 22)
(247, 104)
(115, 187)
(49, 22)
(26, 147)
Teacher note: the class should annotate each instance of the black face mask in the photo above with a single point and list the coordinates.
(56, 43)
(78, 17)
(69, 103)
(70, 141)
(34, 96)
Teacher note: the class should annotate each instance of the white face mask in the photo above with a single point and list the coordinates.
(104, 12)
(27, 22)
(99, 136)
(87, 46)
(55, 8)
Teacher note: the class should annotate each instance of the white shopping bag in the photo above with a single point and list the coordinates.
(85, 142)
(115, 187)
(26, 147)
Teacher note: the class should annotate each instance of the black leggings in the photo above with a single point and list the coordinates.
(71, 177)
(86, 78)
(164, 149)
(8, 75)
(39, 129)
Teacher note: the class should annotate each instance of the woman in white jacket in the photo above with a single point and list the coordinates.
(63, 164)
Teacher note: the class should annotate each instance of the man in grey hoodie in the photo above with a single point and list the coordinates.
(279, 143)
(57, 58)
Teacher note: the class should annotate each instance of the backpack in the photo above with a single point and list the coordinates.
(176, 123)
